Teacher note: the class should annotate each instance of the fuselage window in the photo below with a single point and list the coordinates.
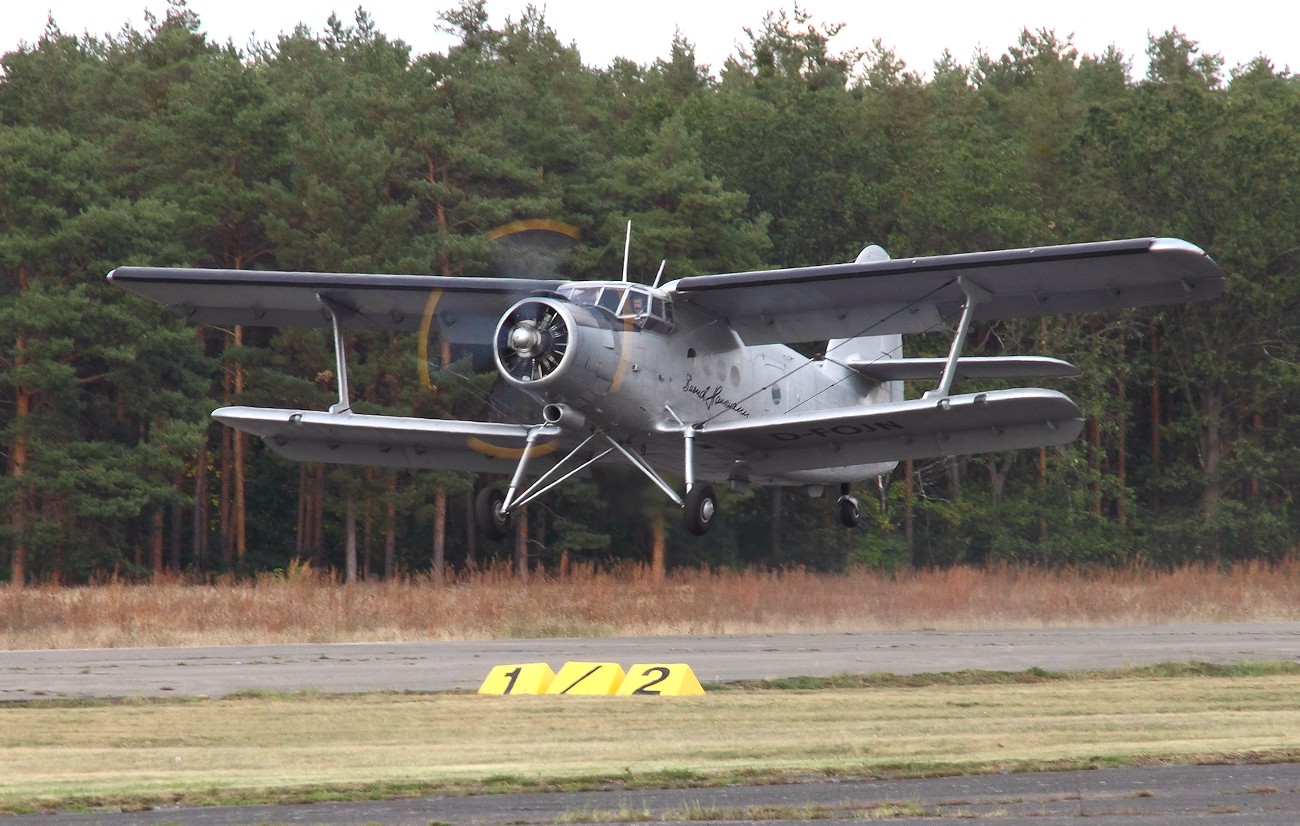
(776, 394)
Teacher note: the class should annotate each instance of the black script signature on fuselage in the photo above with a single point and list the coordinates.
(711, 395)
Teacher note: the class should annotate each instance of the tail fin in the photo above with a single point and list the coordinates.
(870, 349)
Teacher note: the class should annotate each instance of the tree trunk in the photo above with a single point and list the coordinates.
(521, 545)
(156, 542)
(1121, 445)
(201, 505)
(241, 502)
(223, 509)
(18, 459)
(471, 534)
(439, 533)
(1212, 451)
(658, 546)
(390, 530)
(316, 522)
(300, 529)
(178, 525)
(1094, 462)
(774, 526)
(1155, 401)
(909, 515)
(349, 539)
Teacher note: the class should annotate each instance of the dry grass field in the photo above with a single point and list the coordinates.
(301, 606)
(263, 748)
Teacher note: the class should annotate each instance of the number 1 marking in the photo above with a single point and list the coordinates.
(513, 675)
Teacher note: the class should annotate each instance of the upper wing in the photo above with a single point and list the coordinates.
(466, 309)
(910, 295)
(392, 441)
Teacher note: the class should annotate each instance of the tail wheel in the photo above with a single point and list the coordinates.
(491, 520)
(531, 341)
(850, 512)
(700, 509)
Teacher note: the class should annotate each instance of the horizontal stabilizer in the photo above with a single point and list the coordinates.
(974, 367)
(389, 441)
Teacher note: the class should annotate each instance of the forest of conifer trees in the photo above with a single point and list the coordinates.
(340, 150)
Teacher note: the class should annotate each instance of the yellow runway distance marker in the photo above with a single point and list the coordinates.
(587, 678)
(665, 679)
(527, 678)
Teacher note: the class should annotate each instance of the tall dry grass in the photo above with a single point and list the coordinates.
(592, 601)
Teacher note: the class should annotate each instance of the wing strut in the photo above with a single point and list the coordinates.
(975, 294)
(337, 312)
(494, 508)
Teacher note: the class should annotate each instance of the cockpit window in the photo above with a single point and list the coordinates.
(580, 295)
(637, 304)
(611, 298)
(647, 308)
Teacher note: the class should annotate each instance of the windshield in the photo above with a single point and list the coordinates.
(647, 307)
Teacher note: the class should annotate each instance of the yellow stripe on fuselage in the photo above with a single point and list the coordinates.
(624, 356)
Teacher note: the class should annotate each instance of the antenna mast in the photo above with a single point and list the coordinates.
(627, 248)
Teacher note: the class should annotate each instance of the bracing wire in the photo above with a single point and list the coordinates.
(865, 331)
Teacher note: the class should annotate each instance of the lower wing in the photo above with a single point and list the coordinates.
(392, 441)
(917, 429)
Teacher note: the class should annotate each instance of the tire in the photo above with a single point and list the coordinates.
(850, 512)
(492, 523)
(700, 510)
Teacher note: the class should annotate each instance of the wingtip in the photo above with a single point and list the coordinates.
(1174, 245)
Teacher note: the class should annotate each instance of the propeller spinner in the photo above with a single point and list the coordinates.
(532, 340)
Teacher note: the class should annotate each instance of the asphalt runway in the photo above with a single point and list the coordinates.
(1257, 794)
(440, 666)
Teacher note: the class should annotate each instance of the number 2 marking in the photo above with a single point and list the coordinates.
(663, 675)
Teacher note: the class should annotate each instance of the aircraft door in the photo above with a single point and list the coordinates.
(771, 397)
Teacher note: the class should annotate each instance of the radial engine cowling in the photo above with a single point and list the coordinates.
(557, 350)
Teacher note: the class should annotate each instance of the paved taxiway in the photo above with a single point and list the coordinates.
(1155, 796)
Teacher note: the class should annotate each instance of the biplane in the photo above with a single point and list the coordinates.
(695, 379)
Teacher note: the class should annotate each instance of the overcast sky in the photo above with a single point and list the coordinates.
(642, 31)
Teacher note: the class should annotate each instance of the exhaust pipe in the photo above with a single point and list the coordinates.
(564, 416)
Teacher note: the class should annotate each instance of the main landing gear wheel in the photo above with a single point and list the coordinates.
(699, 509)
(492, 523)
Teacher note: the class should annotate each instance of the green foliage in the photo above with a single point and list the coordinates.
(343, 151)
